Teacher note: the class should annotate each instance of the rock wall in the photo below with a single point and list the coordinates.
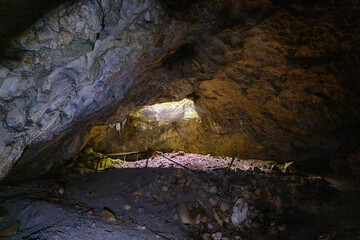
(274, 79)
(74, 62)
(280, 84)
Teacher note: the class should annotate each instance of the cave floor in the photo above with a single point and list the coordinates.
(165, 202)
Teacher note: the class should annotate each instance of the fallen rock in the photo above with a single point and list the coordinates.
(240, 212)
(107, 215)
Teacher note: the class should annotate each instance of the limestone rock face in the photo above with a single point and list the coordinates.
(74, 62)
(271, 79)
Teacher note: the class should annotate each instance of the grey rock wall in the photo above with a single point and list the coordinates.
(75, 61)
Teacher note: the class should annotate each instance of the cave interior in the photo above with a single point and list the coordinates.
(156, 119)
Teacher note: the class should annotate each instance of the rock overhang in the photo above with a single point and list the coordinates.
(247, 71)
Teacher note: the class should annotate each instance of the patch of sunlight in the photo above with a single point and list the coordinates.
(165, 113)
(94, 160)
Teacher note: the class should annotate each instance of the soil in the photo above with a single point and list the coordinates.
(166, 201)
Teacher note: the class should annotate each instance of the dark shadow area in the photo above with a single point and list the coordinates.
(176, 203)
(18, 15)
(184, 52)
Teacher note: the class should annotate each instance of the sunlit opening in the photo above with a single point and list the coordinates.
(169, 112)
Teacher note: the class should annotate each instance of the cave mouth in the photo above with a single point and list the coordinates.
(165, 126)
(158, 119)
(147, 193)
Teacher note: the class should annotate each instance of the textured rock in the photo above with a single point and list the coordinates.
(271, 80)
(76, 61)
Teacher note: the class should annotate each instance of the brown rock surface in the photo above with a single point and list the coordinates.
(280, 88)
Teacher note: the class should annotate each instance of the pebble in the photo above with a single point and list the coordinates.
(181, 153)
(213, 189)
(213, 202)
(137, 198)
(202, 193)
(108, 216)
(147, 16)
(217, 218)
(217, 236)
(127, 207)
(224, 206)
(90, 211)
(205, 186)
(61, 191)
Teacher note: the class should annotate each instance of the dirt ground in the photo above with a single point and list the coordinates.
(255, 200)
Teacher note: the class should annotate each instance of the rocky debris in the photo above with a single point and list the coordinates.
(197, 205)
(240, 212)
(200, 162)
(108, 215)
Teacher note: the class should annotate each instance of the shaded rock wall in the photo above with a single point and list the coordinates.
(276, 79)
(280, 83)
